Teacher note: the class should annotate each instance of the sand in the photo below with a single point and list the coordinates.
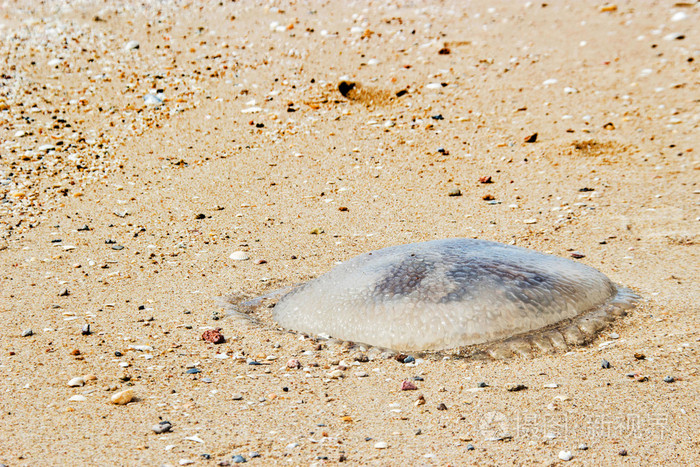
(141, 144)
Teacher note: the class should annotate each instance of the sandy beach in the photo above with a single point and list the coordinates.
(158, 156)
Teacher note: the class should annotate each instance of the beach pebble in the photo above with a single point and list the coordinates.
(162, 427)
(515, 387)
(239, 256)
(122, 397)
(141, 348)
(238, 459)
(361, 374)
(237, 396)
(408, 386)
(679, 16)
(669, 379)
(454, 192)
(186, 462)
(565, 455)
(76, 382)
(78, 398)
(131, 45)
(381, 445)
(85, 330)
(293, 364)
(605, 364)
(153, 99)
(213, 336)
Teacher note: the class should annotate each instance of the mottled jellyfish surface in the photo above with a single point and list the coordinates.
(445, 294)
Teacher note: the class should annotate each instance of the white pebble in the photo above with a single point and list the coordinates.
(381, 445)
(142, 348)
(549, 81)
(186, 461)
(679, 16)
(131, 45)
(122, 397)
(565, 455)
(78, 398)
(239, 256)
(433, 86)
(76, 382)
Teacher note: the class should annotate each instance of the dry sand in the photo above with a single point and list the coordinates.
(254, 135)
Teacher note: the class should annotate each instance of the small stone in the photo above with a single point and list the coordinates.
(317, 231)
(27, 333)
(639, 356)
(679, 16)
(239, 256)
(78, 398)
(214, 336)
(252, 362)
(623, 452)
(614, 335)
(407, 385)
(76, 382)
(470, 447)
(193, 371)
(485, 179)
(577, 255)
(361, 374)
(200, 216)
(122, 397)
(63, 293)
(582, 447)
(238, 459)
(482, 384)
(409, 359)
(531, 139)
(454, 192)
(515, 387)
(381, 445)
(335, 374)
(605, 364)
(237, 396)
(131, 45)
(565, 455)
(293, 364)
(85, 330)
(162, 427)
(669, 379)
(488, 197)
(609, 126)
(186, 462)
(441, 406)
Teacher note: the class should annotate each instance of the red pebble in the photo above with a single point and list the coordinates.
(214, 336)
(408, 386)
